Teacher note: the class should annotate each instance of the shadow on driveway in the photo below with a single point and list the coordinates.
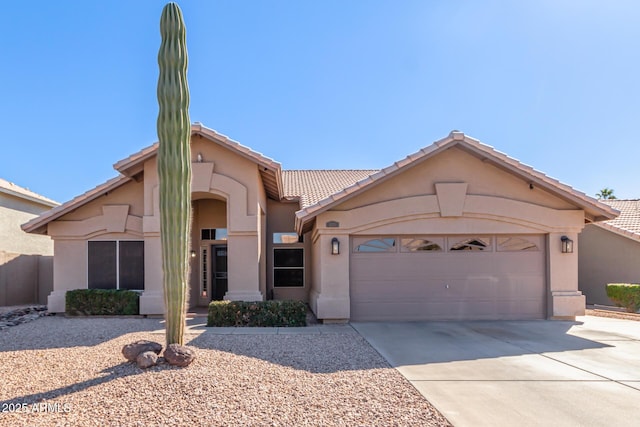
(412, 343)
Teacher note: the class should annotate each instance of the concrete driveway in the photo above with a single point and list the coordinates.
(525, 373)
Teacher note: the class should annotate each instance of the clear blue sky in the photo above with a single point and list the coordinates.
(326, 84)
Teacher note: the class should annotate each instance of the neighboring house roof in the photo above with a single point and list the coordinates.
(12, 189)
(269, 168)
(39, 223)
(594, 210)
(628, 223)
(311, 186)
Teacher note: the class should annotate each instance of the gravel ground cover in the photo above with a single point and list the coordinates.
(59, 371)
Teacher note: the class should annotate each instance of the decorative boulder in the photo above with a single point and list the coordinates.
(131, 351)
(179, 355)
(147, 359)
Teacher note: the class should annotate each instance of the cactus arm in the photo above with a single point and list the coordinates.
(174, 169)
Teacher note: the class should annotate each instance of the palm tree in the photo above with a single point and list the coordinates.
(606, 193)
(174, 169)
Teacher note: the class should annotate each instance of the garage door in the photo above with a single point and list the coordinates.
(447, 277)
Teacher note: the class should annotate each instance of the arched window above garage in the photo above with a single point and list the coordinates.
(474, 243)
(421, 244)
(382, 244)
(515, 244)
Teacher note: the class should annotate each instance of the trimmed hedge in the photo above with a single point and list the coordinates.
(259, 313)
(625, 295)
(100, 302)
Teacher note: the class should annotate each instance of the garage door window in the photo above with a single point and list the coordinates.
(515, 244)
(473, 244)
(422, 244)
(385, 244)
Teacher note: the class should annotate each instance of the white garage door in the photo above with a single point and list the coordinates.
(447, 277)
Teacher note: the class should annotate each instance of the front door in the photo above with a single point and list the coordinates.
(219, 264)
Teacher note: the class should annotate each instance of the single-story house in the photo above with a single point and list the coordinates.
(609, 252)
(456, 230)
(25, 259)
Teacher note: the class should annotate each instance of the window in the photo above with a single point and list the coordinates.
(515, 244)
(288, 267)
(213, 234)
(116, 265)
(421, 245)
(286, 238)
(204, 271)
(475, 244)
(385, 244)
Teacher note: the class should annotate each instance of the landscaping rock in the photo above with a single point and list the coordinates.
(131, 351)
(22, 315)
(147, 359)
(179, 355)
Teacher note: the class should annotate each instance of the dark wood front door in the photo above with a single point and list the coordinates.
(219, 262)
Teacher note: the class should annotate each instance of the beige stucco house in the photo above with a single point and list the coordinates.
(610, 252)
(25, 259)
(457, 230)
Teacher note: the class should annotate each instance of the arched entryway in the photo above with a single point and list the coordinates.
(209, 237)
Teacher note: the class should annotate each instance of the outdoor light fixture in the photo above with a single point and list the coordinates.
(193, 254)
(199, 158)
(335, 246)
(567, 245)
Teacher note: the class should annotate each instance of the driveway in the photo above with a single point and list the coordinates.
(525, 373)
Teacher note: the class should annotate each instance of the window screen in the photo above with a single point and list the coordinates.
(116, 265)
(102, 265)
(288, 267)
(131, 265)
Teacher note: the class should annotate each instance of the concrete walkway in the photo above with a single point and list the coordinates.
(527, 373)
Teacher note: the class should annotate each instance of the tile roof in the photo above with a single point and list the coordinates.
(594, 211)
(311, 186)
(24, 193)
(628, 223)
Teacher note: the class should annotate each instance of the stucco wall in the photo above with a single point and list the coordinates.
(451, 193)
(231, 165)
(234, 182)
(130, 194)
(605, 257)
(116, 215)
(13, 213)
(281, 220)
(25, 279)
(456, 165)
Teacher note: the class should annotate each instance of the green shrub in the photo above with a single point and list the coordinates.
(625, 295)
(100, 302)
(260, 313)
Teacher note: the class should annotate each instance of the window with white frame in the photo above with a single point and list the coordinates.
(115, 264)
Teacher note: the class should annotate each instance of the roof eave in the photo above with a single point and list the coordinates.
(594, 210)
(41, 201)
(619, 231)
(269, 168)
(38, 225)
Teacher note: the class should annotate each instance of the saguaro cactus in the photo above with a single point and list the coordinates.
(174, 169)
